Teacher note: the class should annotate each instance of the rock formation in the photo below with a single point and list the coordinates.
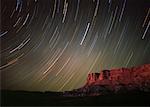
(116, 80)
(126, 76)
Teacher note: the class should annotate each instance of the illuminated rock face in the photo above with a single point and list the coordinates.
(114, 79)
(93, 77)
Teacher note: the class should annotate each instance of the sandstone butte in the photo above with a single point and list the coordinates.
(135, 75)
(114, 80)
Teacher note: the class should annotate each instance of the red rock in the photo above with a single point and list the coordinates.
(116, 80)
(93, 77)
(137, 76)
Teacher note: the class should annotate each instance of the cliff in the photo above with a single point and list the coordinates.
(116, 80)
(126, 76)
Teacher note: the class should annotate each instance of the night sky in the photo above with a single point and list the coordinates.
(53, 44)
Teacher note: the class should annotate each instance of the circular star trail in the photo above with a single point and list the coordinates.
(54, 44)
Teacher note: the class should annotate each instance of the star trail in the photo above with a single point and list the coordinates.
(53, 44)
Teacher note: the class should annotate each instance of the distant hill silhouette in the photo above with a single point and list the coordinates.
(22, 98)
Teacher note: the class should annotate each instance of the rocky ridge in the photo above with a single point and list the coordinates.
(115, 81)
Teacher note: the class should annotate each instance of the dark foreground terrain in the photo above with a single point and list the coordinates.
(13, 98)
